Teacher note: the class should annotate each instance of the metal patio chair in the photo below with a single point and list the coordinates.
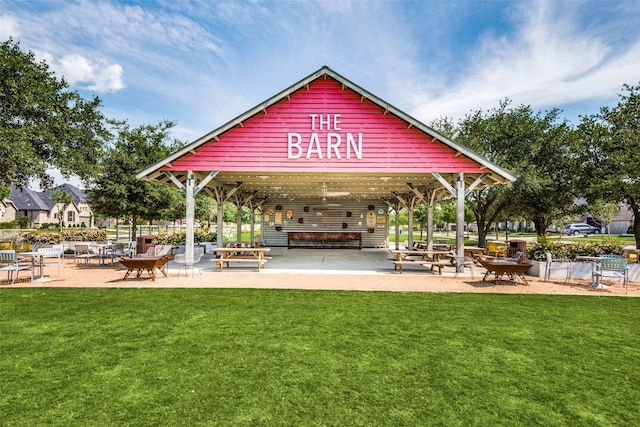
(557, 264)
(82, 252)
(464, 261)
(181, 260)
(11, 264)
(613, 267)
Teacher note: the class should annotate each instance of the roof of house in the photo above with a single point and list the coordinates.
(27, 199)
(8, 202)
(78, 195)
(30, 200)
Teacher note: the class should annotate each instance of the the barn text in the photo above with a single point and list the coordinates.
(331, 143)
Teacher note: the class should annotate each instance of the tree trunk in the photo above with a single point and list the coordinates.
(482, 230)
(636, 223)
(134, 228)
(540, 224)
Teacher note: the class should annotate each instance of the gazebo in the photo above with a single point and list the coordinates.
(325, 156)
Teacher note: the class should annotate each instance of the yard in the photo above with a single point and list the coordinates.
(286, 357)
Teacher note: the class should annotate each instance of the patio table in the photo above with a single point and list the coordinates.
(102, 251)
(595, 261)
(474, 251)
(41, 255)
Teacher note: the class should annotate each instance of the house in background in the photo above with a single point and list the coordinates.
(30, 204)
(7, 211)
(621, 223)
(38, 207)
(78, 212)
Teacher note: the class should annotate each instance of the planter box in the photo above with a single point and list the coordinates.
(579, 271)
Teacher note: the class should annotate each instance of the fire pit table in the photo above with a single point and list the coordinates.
(150, 264)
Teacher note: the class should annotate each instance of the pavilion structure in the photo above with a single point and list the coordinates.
(325, 156)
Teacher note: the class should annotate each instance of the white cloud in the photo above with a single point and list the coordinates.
(547, 62)
(80, 71)
(75, 68)
(8, 27)
(108, 78)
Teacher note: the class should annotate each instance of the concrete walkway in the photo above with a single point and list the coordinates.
(315, 269)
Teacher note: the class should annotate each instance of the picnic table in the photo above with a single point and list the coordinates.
(422, 245)
(474, 251)
(419, 257)
(241, 254)
(511, 269)
(141, 264)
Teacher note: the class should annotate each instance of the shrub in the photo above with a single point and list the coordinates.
(180, 237)
(85, 234)
(9, 225)
(538, 252)
(48, 238)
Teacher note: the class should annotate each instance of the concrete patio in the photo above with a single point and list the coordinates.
(319, 269)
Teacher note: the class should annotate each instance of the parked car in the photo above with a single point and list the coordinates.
(580, 228)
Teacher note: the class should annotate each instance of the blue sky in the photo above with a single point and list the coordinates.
(202, 63)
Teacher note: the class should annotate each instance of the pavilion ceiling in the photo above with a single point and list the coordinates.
(332, 186)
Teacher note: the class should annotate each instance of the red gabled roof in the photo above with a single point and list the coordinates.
(392, 141)
(262, 141)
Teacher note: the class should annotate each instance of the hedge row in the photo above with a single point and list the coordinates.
(55, 237)
(538, 252)
(180, 238)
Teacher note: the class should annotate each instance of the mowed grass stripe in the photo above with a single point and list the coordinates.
(283, 357)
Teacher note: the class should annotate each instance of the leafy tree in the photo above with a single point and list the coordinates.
(420, 218)
(547, 186)
(603, 211)
(206, 210)
(175, 208)
(43, 124)
(445, 212)
(538, 148)
(116, 191)
(62, 199)
(612, 155)
(488, 206)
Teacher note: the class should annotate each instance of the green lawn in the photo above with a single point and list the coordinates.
(117, 357)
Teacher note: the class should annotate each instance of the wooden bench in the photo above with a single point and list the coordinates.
(324, 239)
(261, 262)
(438, 264)
(397, 264)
